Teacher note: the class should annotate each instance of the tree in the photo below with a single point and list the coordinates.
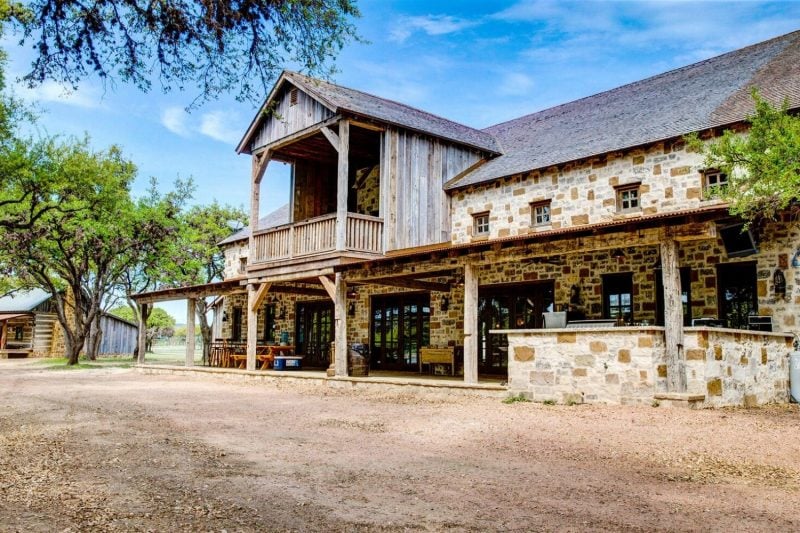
(160, 324)
(87, 234)
(763, 165)
(201, 259)
(237, 45)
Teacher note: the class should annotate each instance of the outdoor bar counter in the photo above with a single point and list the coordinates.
(623, 365)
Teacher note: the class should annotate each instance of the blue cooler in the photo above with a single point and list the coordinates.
(288, 362)
(279, 363)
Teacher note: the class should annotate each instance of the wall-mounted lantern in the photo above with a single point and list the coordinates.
(796, 259)
(779, 283)
(445, 303)
(351, 309)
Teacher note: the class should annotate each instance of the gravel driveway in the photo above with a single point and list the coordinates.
(113, 449)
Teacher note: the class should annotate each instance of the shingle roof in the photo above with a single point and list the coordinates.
(343, 99)
(277, 218)
(707, 94)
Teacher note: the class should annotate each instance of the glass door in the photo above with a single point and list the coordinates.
(400, 327)
(737, 293)
(314, 327)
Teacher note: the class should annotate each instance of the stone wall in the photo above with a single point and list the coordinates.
(737, 367)
(628, 365)
(613, 366)
(584, 192)
(234, 252)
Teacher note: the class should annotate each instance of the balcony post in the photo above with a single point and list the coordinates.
(260, 162)
(191, 304)
(340, 320)
(470, 323)
(341, 185)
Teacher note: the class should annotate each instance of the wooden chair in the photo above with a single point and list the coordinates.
(434, 356)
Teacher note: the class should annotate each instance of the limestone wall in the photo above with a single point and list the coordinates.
(603, 365)
(233, 254)
(584, 192)
(628, 365)
(737, 367)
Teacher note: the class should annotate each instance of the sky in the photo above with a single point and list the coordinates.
(475, 62)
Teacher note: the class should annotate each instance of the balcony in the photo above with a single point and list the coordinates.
(315, 236)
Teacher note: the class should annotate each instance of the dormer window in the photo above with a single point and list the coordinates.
(540, 213)
(628, 198)
(714, 181)
(480, 224)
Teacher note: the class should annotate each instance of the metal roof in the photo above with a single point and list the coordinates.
(279, 217)
(708, 94)
(23, 301)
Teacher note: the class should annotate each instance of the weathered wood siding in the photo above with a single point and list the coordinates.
(414, 206)
(288, 118)
(119, 337)
(314, 190)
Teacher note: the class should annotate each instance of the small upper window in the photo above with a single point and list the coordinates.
(714, 180)
(540, 213)
(628, 198)
(293, 97)
(242, 264)
(481, 224)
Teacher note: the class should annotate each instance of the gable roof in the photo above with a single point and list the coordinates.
(24, 301)
(341, 99)
(278, 217)
(708, 94)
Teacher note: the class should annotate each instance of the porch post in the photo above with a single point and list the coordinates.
(470, 323)
(341, 185)
(252, 325)
(340, 318)
(673, 316)
(190, 319)
(260, 162)
(143, 311)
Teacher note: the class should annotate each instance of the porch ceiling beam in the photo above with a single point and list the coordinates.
(332, 137)
(432, 286)
(408, 276)
(301, 134)
(330, 286)
(289, 289)
(260, 295)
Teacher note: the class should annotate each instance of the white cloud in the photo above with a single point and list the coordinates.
(52, 92)
(174, 119)
(429, 24)
(216, 125)
(515, 84)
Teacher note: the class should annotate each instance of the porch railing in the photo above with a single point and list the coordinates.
(317, 235)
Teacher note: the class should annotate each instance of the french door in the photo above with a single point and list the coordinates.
(400, 327)
(508, 306)
(314, 328)
(737, 293)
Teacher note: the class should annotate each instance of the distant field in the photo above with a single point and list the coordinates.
(172, 355)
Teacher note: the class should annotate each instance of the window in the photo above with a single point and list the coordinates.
(19, 333)
(242, 265)
(628, 198)
(540, 213)
(293, 97)
(269, 323)
(236, 328)
(481, 224)
(714, 181)
(737, 293)
(618, 296)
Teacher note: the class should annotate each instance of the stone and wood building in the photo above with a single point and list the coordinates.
(578, 254)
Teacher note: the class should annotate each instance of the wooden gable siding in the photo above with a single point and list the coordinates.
(414, 205)
(288, 119)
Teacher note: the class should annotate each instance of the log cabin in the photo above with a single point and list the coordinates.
(576, 254)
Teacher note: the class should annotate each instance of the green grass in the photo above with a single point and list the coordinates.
(60, 363)
(520, 398)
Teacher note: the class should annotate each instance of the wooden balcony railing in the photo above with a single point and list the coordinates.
(315, 236)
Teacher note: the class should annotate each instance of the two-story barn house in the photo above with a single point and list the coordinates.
(578, 253)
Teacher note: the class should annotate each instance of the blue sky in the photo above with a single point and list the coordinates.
(476, 62)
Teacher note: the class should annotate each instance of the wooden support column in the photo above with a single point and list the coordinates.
(470, 323)
(341, 185)
(252, 325)
(673, 316)
(143, 312)
(191, 304)
(260, 162)
(340, 317)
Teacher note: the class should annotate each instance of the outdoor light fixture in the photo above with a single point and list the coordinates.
(445, 303)
(796, 259)
(281, 313)
(224, 316)
(779, 282)
(618, 254)
(351, 309)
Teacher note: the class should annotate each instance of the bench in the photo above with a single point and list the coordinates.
(440, 356)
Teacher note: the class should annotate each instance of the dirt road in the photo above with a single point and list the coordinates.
(113, 449)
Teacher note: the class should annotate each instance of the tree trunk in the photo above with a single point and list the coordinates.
(93, 341)
(201, 309)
